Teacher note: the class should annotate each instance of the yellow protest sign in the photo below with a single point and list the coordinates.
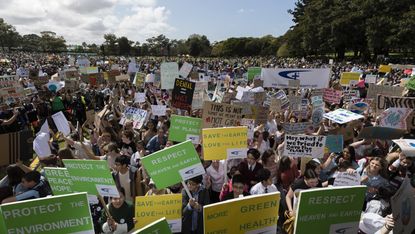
(385, 68)
(346, 77)
(251, 214)
(151, 208)
(222, 143)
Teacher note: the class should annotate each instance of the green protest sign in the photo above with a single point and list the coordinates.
(252, 72)
(173, 164)
(159, 226)
(330, 210)
(411, 83)
(184, 128)
(91, 176)
(57, 214)
(59, 180)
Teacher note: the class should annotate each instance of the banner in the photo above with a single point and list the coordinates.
(342, 116)
(251, 214)
(330, 210)
(385, 102)
(185, 69)
(347, 77)
(374, 90)
(173, 164)
(59, 180)
(182, 95)
(16, 146)
(254, 72)
(395, 118)
(223, 143)
(381, 133)
(91, 176)
(347, 179)
(58, 214)
(137, 116)
(159, 226)
(158, 110)
(220, 115)
(151, 208)
(332, 96)
(184, 128)
(297, 128)
(169, 72)
(309, 78)
(304, 145)
(403, 205)
(334, 143)
(407, 146)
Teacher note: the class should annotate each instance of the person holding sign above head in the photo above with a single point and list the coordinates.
(265, 185)
(121, 218)
(192, 220)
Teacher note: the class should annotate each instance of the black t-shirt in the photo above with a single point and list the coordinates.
(130, 148)
(301, 185)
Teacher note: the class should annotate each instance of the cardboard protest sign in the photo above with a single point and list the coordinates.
(58, 214)
(159, 226)
(403, 204)
(261, 114)
(342, 116)
(385, 102)
(295, 102)
(10, 88)
(185, 128)
(250, 124)
(182, 95)
(199, 95)
(223, 143)
(275, 105)
(395, 118)
(407, 146)
(220, 115)
(297, 128)
(151, 208)
(185, 69)
(38, 82)
(334, 143)
(382, 133)
(332, 96)
(304, 145)
(346, 77)
(329, 210)
(91, 176)
(158, 110)
(385, 68)
(169, 72)
(173, 164)
(122, 77)
(258, 83)
(253, 72)
(59, 180)
(137, 116)
(374, 90)
(251, 214)
(346, 179)
(309, 78)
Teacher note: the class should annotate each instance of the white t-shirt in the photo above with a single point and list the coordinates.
(259, 188)
(125, 183)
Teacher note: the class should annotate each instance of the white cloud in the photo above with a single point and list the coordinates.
(88, 21)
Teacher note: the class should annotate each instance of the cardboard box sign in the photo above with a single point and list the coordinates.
(15, 146)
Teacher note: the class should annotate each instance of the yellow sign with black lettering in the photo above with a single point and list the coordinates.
(151, 208)
(347, 77)
(251, 214)
(222, 143)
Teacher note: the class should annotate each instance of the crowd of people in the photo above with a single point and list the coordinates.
(380, 163)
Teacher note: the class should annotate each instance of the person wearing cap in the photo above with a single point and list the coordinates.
(154, 191)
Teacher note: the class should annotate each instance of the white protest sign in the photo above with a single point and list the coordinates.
(41, 145)
(309, 78)
(304, 145)
(139, 97)
(347, 179)
(370, 79)
(342, 116)
(395, 118)
(61, 123)
(350, 94)
(407, 146)
(169, 72)
(158, 110)
(132, 67)
(185, 69)
(240, 92)
(297, 128)
(250, 124)
(83, 62)
(283, 97)
(137, 116)
(150, 78)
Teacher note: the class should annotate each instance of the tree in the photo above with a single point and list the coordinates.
(110, 44)
(50, 42)
(124, 46)
(8, 35)
(31, 43)
(198, 45)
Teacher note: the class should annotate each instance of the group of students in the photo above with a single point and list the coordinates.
(381, 164)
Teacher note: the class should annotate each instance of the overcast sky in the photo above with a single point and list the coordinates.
(89, 20)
